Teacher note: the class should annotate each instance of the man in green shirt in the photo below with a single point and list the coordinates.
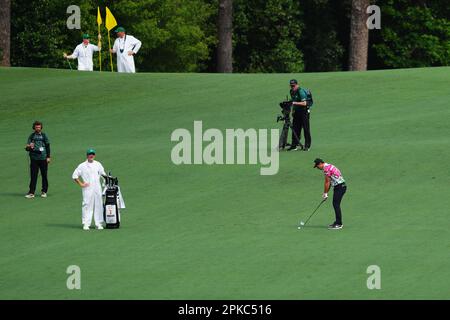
(38, 147)
(300, 116)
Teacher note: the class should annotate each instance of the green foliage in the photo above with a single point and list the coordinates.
(266, 36)
(39, 32)
(176, 34)
(414, 35)
(269, 36)
(320, 43)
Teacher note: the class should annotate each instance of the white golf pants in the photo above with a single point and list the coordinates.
(92, 205)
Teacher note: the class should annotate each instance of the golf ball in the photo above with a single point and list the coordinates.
(299, 228)
(302, 223)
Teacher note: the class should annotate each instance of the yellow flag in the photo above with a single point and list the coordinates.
(110, 20)
(99, 17)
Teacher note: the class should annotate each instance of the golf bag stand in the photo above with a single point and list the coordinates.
(111, 211)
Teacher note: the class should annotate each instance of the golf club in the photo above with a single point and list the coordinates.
(304, 223)
(69, 64)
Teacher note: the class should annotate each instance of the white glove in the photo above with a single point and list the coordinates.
(325, 196)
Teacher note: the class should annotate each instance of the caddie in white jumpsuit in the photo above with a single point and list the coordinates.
(125, 47)
(90, 172)
(84, 53)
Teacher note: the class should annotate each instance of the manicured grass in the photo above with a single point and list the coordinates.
(226, 232)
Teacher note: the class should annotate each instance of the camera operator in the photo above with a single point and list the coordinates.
(300, 115)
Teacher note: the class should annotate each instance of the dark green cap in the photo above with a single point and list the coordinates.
(90, 151)
(86, 36)
(120, 29)
(293, 81)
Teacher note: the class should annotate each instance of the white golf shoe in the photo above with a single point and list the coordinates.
(29, 196)
(335, 226)
(43, 195)
(99, 227)
(85, 227)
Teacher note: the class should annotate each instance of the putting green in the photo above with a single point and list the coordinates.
(225, 231)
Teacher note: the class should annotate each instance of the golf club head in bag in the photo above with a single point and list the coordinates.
(111, 211)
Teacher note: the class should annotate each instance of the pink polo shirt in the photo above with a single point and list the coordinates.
(331, 171)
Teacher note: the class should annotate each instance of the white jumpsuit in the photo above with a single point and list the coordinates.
(125, 62)
(92, 195)
(84, 55)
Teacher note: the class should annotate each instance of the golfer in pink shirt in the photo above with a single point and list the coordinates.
(333, 178)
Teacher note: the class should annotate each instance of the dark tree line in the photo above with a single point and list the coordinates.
(237, 35)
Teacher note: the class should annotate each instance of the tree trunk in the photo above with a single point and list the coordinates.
(225, 34)
(5, 33)
(359, 36)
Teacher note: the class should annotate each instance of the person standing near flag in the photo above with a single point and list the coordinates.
(126, 47)
(84, 53)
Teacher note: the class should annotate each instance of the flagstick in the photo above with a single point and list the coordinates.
(110, 54)
(100, 52)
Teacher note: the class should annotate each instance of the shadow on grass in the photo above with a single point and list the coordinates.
(61, 225)
(313, 227)
(12, 194)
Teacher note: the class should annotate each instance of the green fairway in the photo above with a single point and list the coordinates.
(225, 231)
